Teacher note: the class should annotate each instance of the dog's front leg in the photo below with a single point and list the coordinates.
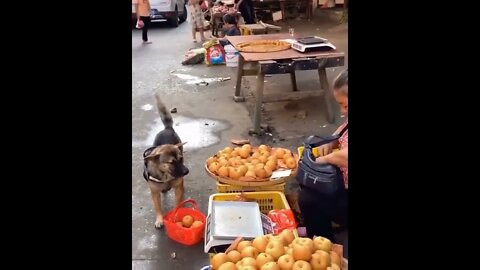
(179, 192)
(157, 203)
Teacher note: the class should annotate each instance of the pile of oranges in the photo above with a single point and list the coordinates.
(248, 163)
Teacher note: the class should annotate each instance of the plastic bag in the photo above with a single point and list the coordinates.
(189, 12)
(194, 56)
(282, 219)
(140, 24)
(215, 55)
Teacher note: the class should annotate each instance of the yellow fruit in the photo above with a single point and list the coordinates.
(268, 172)
(247, 146)
(243, 170)
(210, 160)
(223, 171)
(187, 221)
(280, 153)
(234, 174)
(271, 164)
(218, 260)
(213, 167)
(244, 152)
(263, 147)
(291, 163)
(197, 223)
(263, 158)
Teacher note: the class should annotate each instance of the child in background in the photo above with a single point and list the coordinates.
(197, 19)
(230, 24)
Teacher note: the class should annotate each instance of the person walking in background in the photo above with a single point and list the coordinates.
(142, 8)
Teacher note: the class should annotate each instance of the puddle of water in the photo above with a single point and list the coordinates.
(197, 133)
(147, 107)
(192, 79)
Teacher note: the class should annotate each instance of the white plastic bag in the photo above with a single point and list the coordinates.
(140, 24)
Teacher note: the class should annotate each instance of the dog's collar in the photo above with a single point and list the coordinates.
(151, 178)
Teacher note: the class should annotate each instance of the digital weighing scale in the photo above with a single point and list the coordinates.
(308, 44)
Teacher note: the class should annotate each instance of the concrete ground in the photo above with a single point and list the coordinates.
(207, 120)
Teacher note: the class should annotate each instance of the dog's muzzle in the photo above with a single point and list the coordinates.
(181, 171)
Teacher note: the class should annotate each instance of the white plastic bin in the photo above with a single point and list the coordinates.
(231, 56)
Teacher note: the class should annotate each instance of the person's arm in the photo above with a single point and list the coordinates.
(339, 158)
(339, 129)
(237, 5)
(228, 33)
(327, 148)
(135, 2)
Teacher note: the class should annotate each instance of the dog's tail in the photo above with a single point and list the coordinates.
(165, 115)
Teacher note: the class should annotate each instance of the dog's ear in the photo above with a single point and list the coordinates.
(180, 144)
(152, 155)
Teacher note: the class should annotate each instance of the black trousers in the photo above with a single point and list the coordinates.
(319, 211)
(248, 12)
(146, 22)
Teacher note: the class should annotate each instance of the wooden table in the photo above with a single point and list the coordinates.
(260, 28)
(283, 62)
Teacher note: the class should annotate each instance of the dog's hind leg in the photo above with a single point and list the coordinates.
(155, 192)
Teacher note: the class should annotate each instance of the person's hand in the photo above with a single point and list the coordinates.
(325, 149)
(321, 160)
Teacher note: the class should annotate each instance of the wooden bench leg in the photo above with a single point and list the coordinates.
(293, 78)
(259, 101)
(328, 95)
(238, 97)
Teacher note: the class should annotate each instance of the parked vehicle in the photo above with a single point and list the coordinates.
(171, 11)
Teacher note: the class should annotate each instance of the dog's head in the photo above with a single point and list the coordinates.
(166, 159)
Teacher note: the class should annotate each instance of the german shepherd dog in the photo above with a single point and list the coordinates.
(164, 166)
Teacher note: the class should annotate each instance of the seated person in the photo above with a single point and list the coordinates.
(230, 23)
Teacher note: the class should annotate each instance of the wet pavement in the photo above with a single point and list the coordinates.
(207, 119)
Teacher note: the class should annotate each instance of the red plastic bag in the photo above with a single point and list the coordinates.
(282, 219)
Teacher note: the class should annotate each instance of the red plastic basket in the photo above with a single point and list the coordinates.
(186, 236)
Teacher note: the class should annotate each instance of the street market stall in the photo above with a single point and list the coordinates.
(284, 62)
(251, 229)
